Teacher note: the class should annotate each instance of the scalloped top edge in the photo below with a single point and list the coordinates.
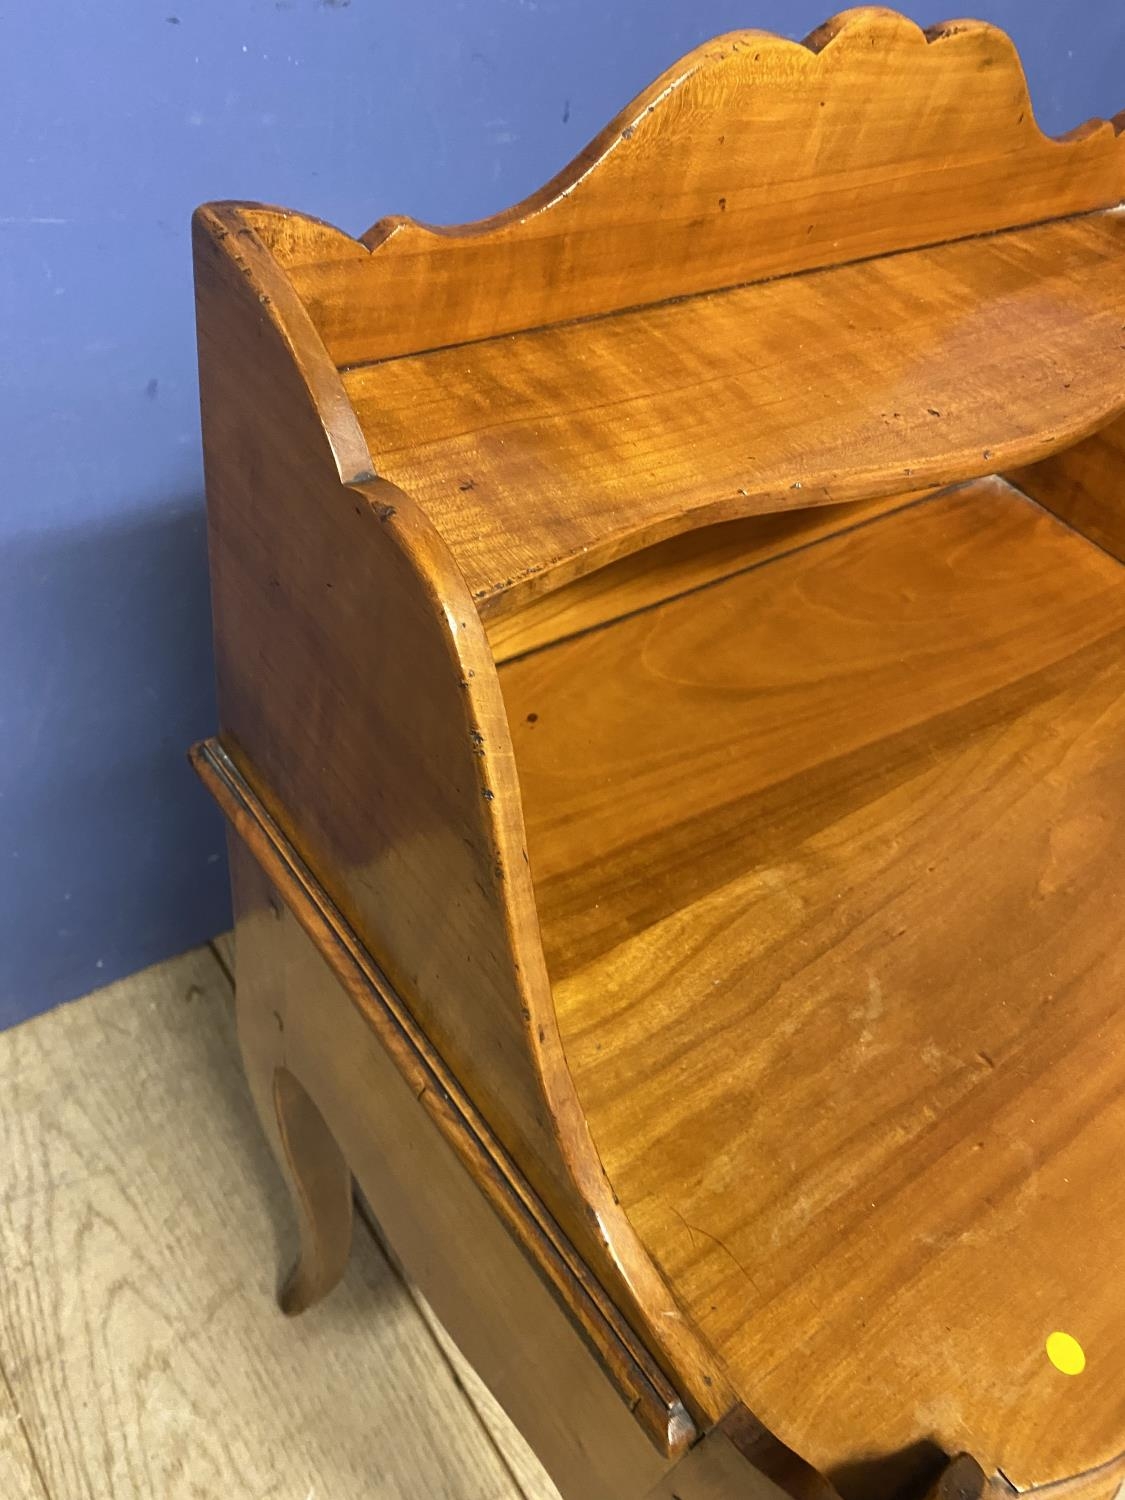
(753, 156)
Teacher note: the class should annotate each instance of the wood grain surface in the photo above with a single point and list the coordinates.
(437, 1202)
(140, 1220)
(20, 1477)
(1082, 486)
(751, 157)
(362, 1030)
(667, 569)
(826, 856)
(895, 374)
(358, 697)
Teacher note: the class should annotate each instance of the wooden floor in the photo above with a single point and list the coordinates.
(142, 1227)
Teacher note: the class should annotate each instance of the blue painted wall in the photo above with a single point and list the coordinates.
(117, 119)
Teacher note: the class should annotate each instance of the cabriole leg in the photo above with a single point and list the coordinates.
(312, 1164)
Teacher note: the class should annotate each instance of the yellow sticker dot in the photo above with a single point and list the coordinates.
(1066, 1353)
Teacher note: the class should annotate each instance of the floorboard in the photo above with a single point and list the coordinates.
(142, 1224)
(19, 1476)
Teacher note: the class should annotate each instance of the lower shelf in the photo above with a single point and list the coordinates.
(829, 857)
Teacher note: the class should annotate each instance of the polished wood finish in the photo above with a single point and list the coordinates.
(686, 784)
(475, 1250)
(399, 1130)
(753, 156)
(334, 606)
(1081, 486)
(604, 422)
(276, 879)
(684, 562)
(822, 856)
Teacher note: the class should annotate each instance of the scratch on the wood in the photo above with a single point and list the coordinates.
(932, 1056)
(867, 1017)
(694, 1229)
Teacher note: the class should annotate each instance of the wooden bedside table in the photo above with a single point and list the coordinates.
(671, 654)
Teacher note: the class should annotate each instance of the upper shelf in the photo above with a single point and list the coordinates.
(542, 455)
(785, 274)
(753, 156)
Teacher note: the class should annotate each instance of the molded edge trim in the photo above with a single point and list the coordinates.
(227, 227)
(654, 1402)
(567, 1156)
